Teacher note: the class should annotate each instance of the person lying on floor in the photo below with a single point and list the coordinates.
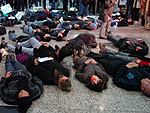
(127, 75)
(17, 87)
(129, 45)
(90, 72)
(77, 42)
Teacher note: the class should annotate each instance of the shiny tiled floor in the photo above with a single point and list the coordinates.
(81, 99)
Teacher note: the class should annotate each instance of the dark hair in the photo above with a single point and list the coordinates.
(130, 23)
(59, 38)
(64, 52)
(24, 104)
(141, 52)
(97, 87)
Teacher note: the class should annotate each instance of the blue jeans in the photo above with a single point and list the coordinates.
(120, 55)
(13, 36)
(37, 3)
(82, 9)
(54, 5)
(25, 46)
(12, 65)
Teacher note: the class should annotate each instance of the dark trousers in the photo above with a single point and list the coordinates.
(109, 63)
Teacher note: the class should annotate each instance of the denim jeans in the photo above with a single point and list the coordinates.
(82, 9)
(32, 42)
(13, 36)
(54, 5)
(120, 55)
(12, 65)
(37, 3)
(114, 39)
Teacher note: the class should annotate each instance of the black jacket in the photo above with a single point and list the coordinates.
(2, 30)
(45, 71)
(130, 79)
(9, 87)
(124, 47)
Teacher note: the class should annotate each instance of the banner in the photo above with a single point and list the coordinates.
(19, 15)
(6, 9)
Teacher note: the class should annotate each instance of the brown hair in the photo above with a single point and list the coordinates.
(65, 85)
(97, 87)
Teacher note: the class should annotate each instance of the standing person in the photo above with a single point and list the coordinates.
(10, 2)
(147, 14)
(54, 4)
(92, 5)
(129, 8)
(72, 3)
(136, 8)
(18, 87)
(106, 15)
(84, 7)
(19, 4)
(65, 5)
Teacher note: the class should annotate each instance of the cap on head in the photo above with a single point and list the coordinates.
(24, 103)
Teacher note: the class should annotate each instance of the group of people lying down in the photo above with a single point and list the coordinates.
(22, 85)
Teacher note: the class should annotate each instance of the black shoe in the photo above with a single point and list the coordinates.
(20, 49)
(3, 43)
(8, 57)
(12, 57)
(16, 51)
(9, 32)
(13, 31)
(56, 47)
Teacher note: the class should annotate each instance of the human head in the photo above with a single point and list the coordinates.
(76, 26)
(24, 101)
(145, 86)
(25, 26)
(47, 37)
(130, 21)
(59, 36)
(141, 52)
(64, 83)
(96, 84)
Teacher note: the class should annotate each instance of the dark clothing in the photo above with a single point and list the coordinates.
(9, 88)
(46, 71)
(123, 23)
(50, 24)
(129, 79)
(65, 5)
(40, 16)
(85, 71)
(85, 2)
(2, 30)
(44, 51)
(120, 42)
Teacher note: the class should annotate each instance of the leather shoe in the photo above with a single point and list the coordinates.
(103, 38)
